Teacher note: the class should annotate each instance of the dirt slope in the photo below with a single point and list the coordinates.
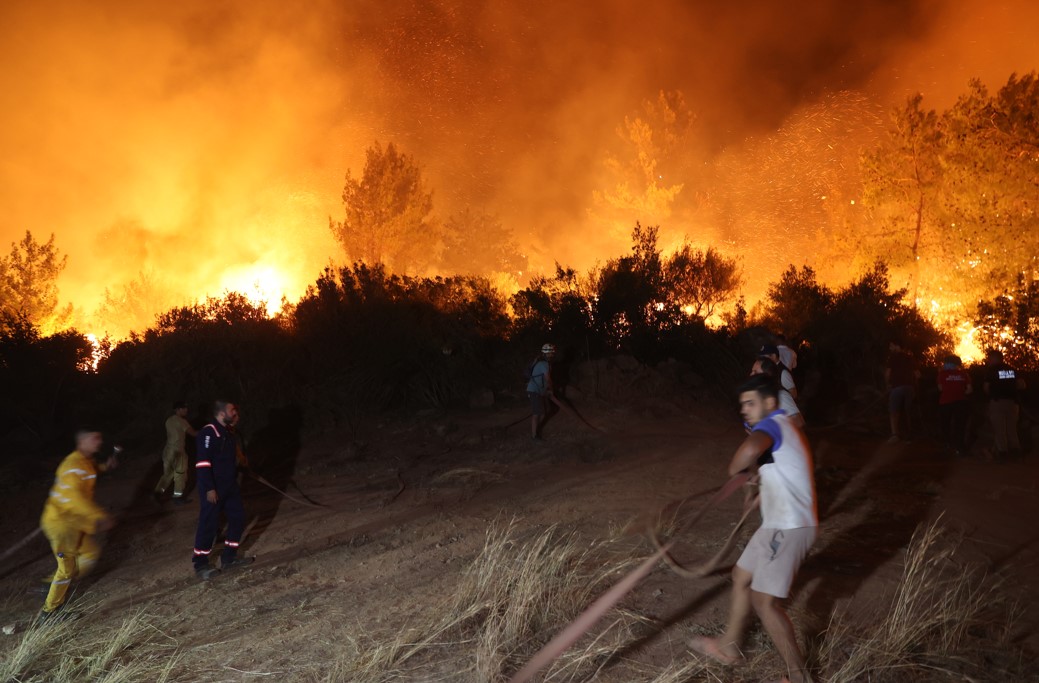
(408, 505)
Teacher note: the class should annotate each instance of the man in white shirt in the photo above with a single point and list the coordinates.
(786, 378)
(765, 571)
(787, 356)
(765, 366)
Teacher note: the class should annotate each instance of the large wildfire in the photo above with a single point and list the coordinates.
(185, 150)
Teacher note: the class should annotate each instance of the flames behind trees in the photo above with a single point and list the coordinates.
(953, 199)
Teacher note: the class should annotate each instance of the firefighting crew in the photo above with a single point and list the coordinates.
(71, 518)
(174, 457)
(216, 470)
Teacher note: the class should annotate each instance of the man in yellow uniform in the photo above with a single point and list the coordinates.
(71, 518)
(174, 457)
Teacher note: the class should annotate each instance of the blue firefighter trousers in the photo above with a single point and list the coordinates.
(229, 502)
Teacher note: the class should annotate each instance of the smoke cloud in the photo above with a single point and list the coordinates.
(205, 145)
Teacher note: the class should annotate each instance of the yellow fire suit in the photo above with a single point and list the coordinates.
(69, 521)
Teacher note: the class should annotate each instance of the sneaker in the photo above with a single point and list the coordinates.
(206, 573)
(238, 562)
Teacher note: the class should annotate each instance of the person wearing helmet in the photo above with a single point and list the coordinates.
(539, 389)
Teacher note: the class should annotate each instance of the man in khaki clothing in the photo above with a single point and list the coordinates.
(174, 457)
(71, 518)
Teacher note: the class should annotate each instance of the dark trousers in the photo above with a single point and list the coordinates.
(229, 502)
(953, 420)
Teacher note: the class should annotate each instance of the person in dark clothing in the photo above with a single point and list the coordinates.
(1003, 387)
(954, 386)
(901, 375)
(216, 470)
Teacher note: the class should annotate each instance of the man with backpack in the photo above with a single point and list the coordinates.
(540, 390)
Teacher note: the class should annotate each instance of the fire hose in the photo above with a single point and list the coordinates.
(20, 544)
(587, 619)
(283, 493)
(706, 568)
(562, 406)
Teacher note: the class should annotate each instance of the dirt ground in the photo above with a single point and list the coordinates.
(409, 503)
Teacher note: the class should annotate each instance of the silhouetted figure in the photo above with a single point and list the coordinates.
(900, 375)
(787, 356)
(1003, 387)
(954, 386)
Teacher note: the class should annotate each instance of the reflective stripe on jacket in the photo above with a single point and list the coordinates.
(71, 499)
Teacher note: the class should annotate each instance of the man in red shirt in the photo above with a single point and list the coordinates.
(901, 375)
(953, 388)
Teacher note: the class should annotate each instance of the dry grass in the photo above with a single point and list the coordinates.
(512, 599)
(69, 651)
(518, 593)
(941, 618)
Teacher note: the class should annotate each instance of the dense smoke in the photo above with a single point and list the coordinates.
(200, 147)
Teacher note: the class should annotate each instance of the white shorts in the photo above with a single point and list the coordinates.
(773, 556)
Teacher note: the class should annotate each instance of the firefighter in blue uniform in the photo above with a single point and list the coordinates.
(216, 470)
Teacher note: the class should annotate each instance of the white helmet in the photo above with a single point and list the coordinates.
(548, 348)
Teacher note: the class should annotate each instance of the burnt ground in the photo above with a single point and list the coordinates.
(408, 503)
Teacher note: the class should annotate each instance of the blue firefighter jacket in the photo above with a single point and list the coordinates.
(216, 460)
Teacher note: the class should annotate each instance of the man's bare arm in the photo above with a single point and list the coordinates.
(749, 451)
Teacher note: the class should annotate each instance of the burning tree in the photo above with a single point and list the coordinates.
(701, 280)
(631, 305)
(387, 213)
(953, 196)
(478, 244)
(1010, 323)
(653, 164)
(133, 305)
(902, 186)
(992, 182)
(28, 284)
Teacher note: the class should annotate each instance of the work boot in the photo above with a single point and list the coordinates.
(206, 573)
(180, 500)
(58, 616)
(238, 562)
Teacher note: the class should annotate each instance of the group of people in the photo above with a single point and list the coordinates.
(774, 455)
(1002, 386)
(71, 519)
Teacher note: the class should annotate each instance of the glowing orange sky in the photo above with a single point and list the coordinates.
(206, 143)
